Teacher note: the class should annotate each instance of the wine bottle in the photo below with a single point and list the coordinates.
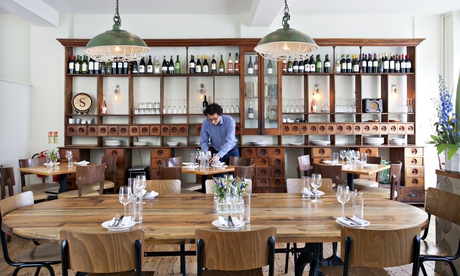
(108, 68)
(205, 103)
(250, 111)
(84, 65)
(236, 65)
(312, 64)
(284, 66)
(102, 65)
(114, 64)
(364, 64)
(77, 65)
(391, 67)
(156, 66)
(177, 65)
(403, 64)
(150, 65)
(125, 67)
(343, 64)
(355, 64)
(408, 64)
(301, 66)
(256, 66)
(250, 66)
(213, 65)
(230, 63)
(386, 64)
(164, 66)
(313, 106)
(269, 67)
(306, 64)
(290, 66)
(349, 66)
(198, 65)
(97, 67)
(91, 66)
(103, 106)
(397, 64)
(142, 66)
(375, 64)
(72, 65)
(171, 65)
(319, 64)
(134, 68)
(191, 65)
(221, 65)
(295, 66)
(327, 64)
(205, 65)
(120, 66)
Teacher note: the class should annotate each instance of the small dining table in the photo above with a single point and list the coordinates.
(204, 173)
(367, 169)
(62, 170)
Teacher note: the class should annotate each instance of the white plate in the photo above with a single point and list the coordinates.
(190, 167)
(339, 221)
(150, 195)
(217, 224)
(106, 224)
(370, 166)
(219, 165)
(51, 164)
(373, 143)
(296, 144)
(329, 162)
(82, 163)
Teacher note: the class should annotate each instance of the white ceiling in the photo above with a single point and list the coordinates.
(262, 12)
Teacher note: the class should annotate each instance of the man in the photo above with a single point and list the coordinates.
(221, 129)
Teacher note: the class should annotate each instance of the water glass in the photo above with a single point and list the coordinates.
(247, 207)
(306, 190)
(335, 157)
(358, 204)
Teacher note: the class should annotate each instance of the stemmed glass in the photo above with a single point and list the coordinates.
(232, 197)
(140, 184)
(315, 182)
(343, 196)
(342, 155)
(125, 197)
(208, 158)
(69, 156)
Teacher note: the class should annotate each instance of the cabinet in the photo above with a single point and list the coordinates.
(160, 108)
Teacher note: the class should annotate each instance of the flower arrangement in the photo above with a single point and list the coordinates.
(447, 136)
(52, 155)
(221, 185)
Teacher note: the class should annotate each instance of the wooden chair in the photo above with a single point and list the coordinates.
(445, 205)
(174, 172)
(303, 165)
(372, 180)
(242, 252)
(171, 162)
(163, 186)
(247, 172)
(103, 253)
(43, 186)
(7, 180)
(367, 252)
(111, 169)
(86, 176)
(240, 161)
(333, 172)
(42, 255)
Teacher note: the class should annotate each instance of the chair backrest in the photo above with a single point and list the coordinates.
(90, 175)
(247, 172)
(106, 252)
(7, 180)
(14, 202)
(333, 172)
(443, 204)
(381, 248)
(294, 185)
(375, 160)
(170, 172)
(164, 186)
(171, 162)
(395, 180)
(240, 161)
(30, 162)
(303, 165)
(111, 163)
(237, 251)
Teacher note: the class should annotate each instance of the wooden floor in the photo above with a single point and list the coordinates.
(171, 266)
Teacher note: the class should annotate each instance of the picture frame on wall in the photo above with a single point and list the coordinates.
(273, 112)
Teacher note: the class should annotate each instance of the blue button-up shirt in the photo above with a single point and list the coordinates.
(222, 135)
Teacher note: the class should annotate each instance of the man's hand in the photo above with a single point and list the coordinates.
(215, 159)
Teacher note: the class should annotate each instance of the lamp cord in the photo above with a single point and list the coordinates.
(286, 16)
(116, 17)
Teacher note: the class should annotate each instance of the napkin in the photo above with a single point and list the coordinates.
(350, 222)
(151, 194)
(125, 221)
(224, 221)
(82, 163)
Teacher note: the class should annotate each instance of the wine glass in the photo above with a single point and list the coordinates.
(343, 196)
(315, 182)
(140, 183)
(208, 158)
(232, 197)
(69, 156)
(342, 155)
(125, 197)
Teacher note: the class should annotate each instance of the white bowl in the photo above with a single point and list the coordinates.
(139, 143)
(172, 143)
(258, 143)
(320, 142)
(112, 142)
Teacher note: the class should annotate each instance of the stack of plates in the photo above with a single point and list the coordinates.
(258, 143)
(139, 143)
(112, 142)
(398, 141)
(371, 140)
(320, 142)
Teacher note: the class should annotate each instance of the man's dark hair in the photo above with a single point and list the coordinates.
(213, 109)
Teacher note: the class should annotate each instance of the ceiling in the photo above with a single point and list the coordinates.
(262, 12)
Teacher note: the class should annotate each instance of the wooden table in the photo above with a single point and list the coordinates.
(61, 170)
(208, 171)
(351, 171)
(172, 219)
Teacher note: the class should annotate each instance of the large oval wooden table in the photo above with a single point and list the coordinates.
(172, 219)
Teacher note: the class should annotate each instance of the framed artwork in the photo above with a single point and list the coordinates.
(273, 112)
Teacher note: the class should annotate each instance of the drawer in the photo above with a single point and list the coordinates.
(165, 130)
(155, 130)
(155, 162)
(82, 130)
(291, 128)
(198, 129)
(349, 128)
(322, 128)
(383, 128)
(392, 128)
(414, 182)
(312, 129)
(413, 161)
(119, 153)
(357, 128)
(144, 130)
(277, 182)
(276, 161)
(319, 160)
(162, 153)
(262, 182)
(412, 194)
(366, 128)
(331, 129)
(340, 129)
(237, 129)
(277, 172)
(321, 152)
(263, 171)
(276, 152)
(155, 173)
(71, 130)
(183, 130)
(123, 130)
(263, 152)
(303, 128)
(248, 152)
(134, 130)
(410, 128)
(402, 128)
(413, 152)
(92, 130)
(375, 128)
(370, 151)
(415, 171)
(262, 162)
(102, 130)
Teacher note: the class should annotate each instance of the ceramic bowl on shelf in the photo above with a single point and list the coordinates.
(258, 143)
(398, 141)
(320, 142)
(172, 144)
(139, 143)
(112, 142)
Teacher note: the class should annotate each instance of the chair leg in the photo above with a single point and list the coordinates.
(423, 269)
(182, 259)
(334, 259)
(286, 263)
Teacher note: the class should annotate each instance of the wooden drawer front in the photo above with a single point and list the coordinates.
(393, 128)
(92, 130)
(71, 130)
(263, 171)
(410, 128)
(412, 194)
(134, 130)
(348, 128)
(375, 128)
(144, 130)
(290, 128)
(155, 162)
(370, 151)
(277, 182)
(262, 162)
(358, 128)
(119, 153)
(183, 130)
(277, 172)
(330, 128)
(367, 128)
(321, 152)
(402, 128)
(102, 130)
(312, 128)
(303, 129)
(277, 162)
(155, 130)
(155, 173)
(262, 152)
(82, 130)
(340, 129)
(248, 152)
(383, 128)
(319, 160)
(414, 161)
(322, 128)
(414, 182)
(237, 129)
(162, 153)
(276, 152)
(173, 130)
(123, 130)
(113, 130)
(262, 182)
(165, 130)
(198, 129)
(413, 152)
(415, 171)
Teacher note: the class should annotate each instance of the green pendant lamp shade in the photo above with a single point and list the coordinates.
(286, 43)
(116, 44)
